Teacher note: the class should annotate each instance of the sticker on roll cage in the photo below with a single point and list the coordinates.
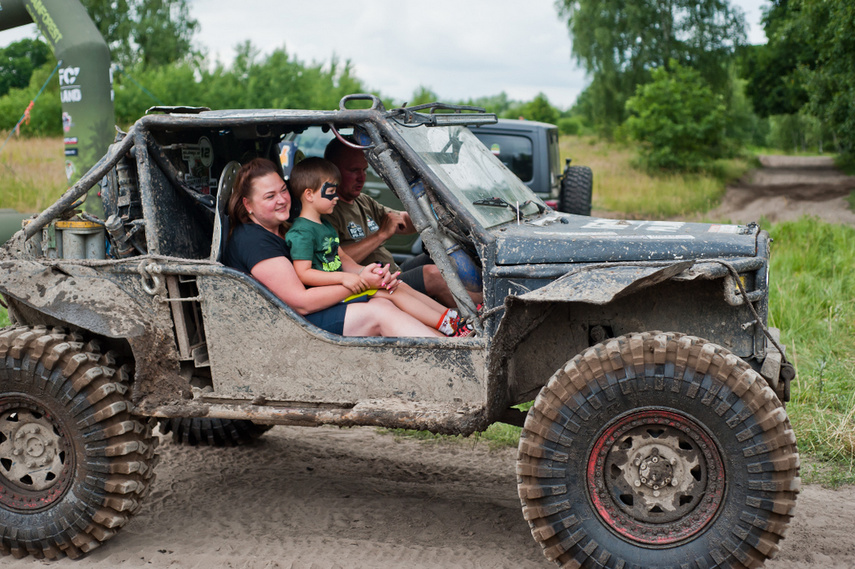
(199, 158)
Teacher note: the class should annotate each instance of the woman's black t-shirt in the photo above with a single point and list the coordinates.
(250, 244)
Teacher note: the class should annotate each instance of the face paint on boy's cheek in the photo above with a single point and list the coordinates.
(329, 191)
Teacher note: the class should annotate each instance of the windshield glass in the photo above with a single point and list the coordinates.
(471, 172)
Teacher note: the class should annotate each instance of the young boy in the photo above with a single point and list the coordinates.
(318, 261)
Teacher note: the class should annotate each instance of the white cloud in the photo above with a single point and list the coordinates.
(460, 49)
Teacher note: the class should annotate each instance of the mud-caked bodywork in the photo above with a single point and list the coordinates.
(646, 339)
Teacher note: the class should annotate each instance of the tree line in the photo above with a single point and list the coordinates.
(677, 76)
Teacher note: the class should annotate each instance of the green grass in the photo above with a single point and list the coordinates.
(621, 187)
(32, 173)
(812, 301)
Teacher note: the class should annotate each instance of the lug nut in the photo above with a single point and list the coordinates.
(638, 482)
(655, 459)
(674, 482)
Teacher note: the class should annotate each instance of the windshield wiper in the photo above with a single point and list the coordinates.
(499, 202)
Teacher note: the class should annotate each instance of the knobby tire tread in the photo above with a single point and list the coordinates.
(655, 362)
(114, 450)
(576, 190)
(205, 431)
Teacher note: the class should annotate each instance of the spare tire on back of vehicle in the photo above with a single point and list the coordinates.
(576, 189)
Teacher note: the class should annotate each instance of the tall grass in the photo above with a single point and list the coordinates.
(619, 187)
(32, 173)
(812, 301)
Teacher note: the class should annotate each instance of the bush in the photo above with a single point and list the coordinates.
(678, 119)
(570, 125)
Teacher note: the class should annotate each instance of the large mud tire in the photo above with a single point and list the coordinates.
(657, 450)
(576, 189)
(212, 432)
(74, 462)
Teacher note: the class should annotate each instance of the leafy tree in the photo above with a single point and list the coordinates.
(620, 43)
(45, 116)
(570, 125)
(252, 81)
(153, 32)
(773, 83)
(422, 95)
(539, 109)
(18, 61)
(678, 119)
(829, 27)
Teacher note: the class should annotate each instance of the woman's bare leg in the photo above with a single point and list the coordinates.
(379, 317)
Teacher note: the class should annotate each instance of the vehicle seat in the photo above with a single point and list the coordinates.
(221, 217)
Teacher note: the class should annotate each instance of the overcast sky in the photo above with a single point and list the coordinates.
(459, 49)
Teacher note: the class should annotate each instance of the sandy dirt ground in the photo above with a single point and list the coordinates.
(329, 498)
(786, 188)
(354, 498)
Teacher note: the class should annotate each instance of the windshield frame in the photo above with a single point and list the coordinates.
(470, 172)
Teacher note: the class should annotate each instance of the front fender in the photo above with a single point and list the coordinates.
(603, 283)
(88, 301)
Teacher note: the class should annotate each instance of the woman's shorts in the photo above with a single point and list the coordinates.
(332, 319)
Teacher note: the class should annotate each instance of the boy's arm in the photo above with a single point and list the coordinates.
(348, 265)
(373, 277)
(313, 277)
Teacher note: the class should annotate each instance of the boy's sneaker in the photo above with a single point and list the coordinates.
(463, 331)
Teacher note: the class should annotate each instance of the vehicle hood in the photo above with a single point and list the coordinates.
(581, 239)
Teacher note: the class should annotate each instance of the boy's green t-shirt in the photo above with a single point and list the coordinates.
(315, 242)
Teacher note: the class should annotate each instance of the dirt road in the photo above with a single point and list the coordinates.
(786, 188)
(327, 498)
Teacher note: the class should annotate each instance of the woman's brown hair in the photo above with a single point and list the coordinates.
(255, 168)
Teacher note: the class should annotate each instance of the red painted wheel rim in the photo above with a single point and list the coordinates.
(655, 477)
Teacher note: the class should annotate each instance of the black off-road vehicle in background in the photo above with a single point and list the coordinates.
(658, 435)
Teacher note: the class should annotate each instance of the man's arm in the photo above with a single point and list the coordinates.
(359, 250)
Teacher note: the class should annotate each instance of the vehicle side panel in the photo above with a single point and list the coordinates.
(279, 356)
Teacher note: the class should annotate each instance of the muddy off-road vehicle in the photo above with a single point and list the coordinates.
(657, 438)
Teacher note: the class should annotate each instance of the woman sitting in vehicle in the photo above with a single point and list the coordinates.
(259, 206)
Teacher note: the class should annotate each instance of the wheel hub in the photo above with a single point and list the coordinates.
(653, 470)
(35, 461)
(655, 477)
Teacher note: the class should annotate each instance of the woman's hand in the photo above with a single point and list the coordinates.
(388, 281)
(374, 276)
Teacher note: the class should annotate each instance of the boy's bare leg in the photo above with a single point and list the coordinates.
(413, 305)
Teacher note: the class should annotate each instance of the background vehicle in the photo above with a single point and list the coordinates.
(657, 435)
